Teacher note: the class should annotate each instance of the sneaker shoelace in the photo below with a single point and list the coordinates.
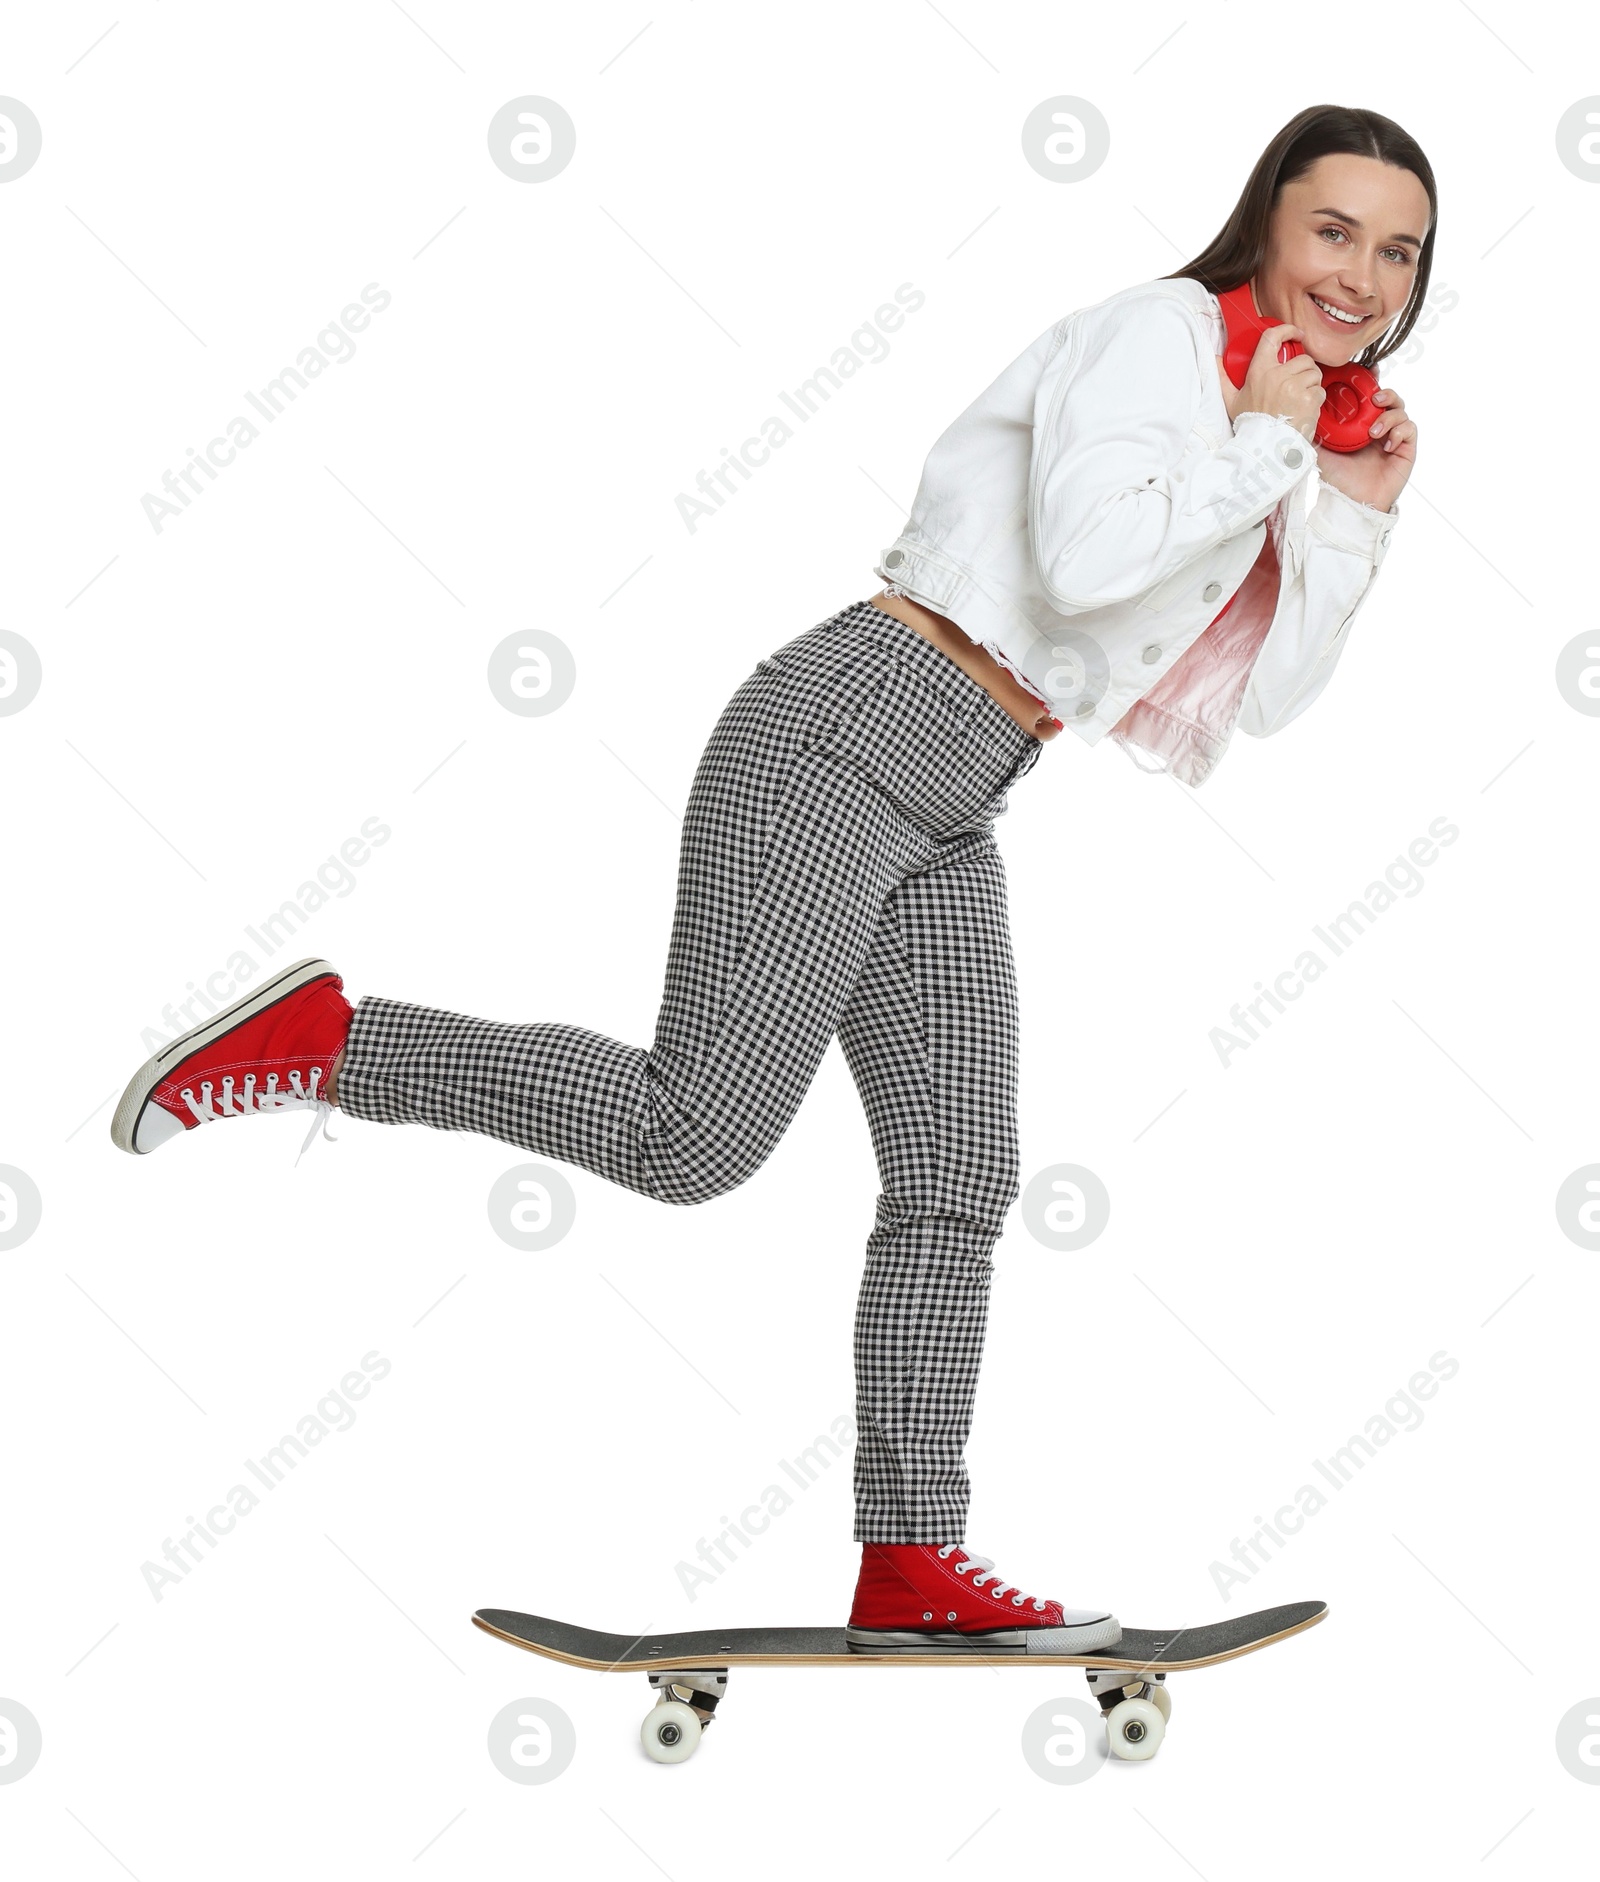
(250, 1099)
(985, 1573)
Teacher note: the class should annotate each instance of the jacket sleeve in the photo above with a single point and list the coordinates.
(1112, 509)
(1326, 576)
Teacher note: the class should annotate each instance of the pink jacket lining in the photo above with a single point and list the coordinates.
(1184, 722)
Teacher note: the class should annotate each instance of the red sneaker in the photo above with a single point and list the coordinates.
(915, 1595)
(269, 1051)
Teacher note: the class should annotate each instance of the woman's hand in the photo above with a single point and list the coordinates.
(1377, 473)
(1289, 389)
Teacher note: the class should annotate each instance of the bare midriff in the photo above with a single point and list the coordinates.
(975, 661)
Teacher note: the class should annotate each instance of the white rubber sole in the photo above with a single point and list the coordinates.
(1087, 1637)
(131, 1106)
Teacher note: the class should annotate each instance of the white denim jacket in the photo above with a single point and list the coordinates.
(1085, 517)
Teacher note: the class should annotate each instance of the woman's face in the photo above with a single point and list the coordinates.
(1347, 232)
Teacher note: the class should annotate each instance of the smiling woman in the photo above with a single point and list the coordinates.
(1333, 238)
(1111, 539)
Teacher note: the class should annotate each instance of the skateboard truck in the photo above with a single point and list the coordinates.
(686, 1703)
(1136, 1706)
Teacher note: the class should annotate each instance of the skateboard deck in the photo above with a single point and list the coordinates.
(689, 1671)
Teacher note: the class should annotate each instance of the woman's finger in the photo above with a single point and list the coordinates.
(1392, 414)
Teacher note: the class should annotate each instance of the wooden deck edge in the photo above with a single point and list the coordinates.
(705, 1661)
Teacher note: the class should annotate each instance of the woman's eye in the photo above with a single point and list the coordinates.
(1399, 255)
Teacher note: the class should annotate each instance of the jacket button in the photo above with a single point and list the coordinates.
(893, 559)
(1085, 709)
(1292, 456)
(1151, 655)
(1211, 591)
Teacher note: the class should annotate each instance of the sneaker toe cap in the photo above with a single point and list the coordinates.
(155, 1126)
(1083, 1631)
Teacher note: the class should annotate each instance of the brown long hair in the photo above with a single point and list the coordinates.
(1240, 246)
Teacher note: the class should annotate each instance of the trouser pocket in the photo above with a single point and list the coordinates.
(931, 761)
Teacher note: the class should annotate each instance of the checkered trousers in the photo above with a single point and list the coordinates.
(838, 875)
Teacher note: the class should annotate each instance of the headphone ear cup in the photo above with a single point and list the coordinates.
(1348, 413)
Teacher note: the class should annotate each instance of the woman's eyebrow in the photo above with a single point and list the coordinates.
(1345, 216)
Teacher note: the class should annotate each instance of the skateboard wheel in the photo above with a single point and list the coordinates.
(670, 1731)
(1134, 1728)
(1161, 1699)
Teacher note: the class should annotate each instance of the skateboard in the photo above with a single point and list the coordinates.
(689, 1672)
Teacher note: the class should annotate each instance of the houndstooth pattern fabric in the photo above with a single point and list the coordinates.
(838, 874)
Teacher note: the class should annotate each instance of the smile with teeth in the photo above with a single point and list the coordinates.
(1336, 313)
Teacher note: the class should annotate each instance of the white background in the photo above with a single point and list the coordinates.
(226, 701)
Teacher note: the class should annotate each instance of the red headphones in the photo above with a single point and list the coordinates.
(1348, 413)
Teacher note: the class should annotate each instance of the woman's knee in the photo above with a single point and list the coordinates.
(710, 1171)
